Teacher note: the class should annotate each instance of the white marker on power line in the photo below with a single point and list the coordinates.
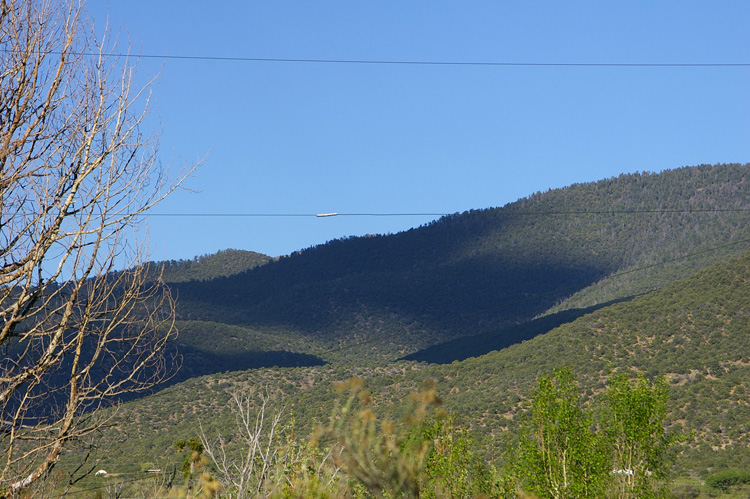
(321, 215)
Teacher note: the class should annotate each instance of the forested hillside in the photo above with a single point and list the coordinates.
(481, 271)
(693, 332)
(462, 286)
(203, 268)
(615, 276)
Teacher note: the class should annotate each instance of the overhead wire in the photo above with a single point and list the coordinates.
(414, 62)
(292, 215)
(439, 214)
(150, 476)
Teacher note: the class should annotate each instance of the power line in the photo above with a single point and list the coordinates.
(292, 215)
(436, 214)
(116, 483)
(397, 62)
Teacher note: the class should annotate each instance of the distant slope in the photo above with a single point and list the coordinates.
(480, 271)
(205, 347)
(203, 268)
(694, 331)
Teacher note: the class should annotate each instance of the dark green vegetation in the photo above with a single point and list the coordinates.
(207, 267)
(725, 480)
(210, 347)
(642, 274)
(207, 347)
(480, 344)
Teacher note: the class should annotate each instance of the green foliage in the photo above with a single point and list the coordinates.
(559, 455)
(382, 291)
(453, 467)
(634, 416)
(411, 450)
(210, 347)
(416, 450)
(693, 333)
(194, 457)
(203, 268)
(395, 294)
(726, 479)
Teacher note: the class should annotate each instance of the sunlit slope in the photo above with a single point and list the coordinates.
(694, 331)
(206, 267)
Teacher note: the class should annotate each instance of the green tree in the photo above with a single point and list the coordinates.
(206, 486)
(559, 454)
(452, 467)
(194, 457)
(726, 479)
(634, 416)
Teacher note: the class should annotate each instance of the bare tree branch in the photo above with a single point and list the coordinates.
(77, 172)
(246, 472)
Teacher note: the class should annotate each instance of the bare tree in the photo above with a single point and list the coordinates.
(246, 474)
(261, 459)
(77, 173)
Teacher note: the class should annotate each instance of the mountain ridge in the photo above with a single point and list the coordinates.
(544, 253)
(223, 263)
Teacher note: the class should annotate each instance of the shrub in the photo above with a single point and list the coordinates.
(726, 479)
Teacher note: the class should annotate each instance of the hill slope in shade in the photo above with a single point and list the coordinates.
(481, 344)
(383, 297)
(208, 348)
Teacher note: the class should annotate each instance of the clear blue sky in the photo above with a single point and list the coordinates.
(305, 138)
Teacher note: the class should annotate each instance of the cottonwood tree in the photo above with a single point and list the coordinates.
(77, 171)
(559, 454)
(642, 449)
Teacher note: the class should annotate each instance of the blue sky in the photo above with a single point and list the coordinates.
(306, 138)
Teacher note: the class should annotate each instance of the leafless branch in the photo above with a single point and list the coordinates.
(77, 171)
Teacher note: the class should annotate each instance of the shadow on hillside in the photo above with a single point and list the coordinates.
(197, 363)
(194, 363)
(287, 296)
(200, 363)
(480, 344)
